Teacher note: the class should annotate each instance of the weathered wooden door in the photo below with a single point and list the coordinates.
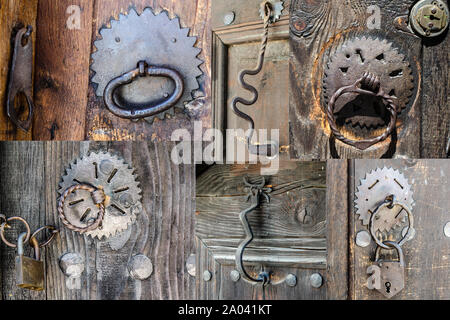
(427, 253)
(106, 268)
(333, 43)
(300, 236)
(68, 105)
(237, 29)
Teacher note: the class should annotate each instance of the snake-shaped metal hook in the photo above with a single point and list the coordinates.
(269, 150)
(256, 191)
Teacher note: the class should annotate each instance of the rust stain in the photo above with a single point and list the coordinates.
(102, 130)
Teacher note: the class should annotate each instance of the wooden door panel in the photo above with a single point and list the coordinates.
(236, 47)
(317, 29)
(426, 255)
(292, 232)
(33, 171)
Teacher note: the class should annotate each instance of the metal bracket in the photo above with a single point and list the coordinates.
(21, 77)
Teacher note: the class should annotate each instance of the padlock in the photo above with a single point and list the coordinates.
(29, 271)
(392, 273)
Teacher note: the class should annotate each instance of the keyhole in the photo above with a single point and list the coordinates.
(388, 287)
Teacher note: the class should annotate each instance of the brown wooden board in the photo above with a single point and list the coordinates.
(30, 174)
(236, 47)
(13, 16)
(292, 233)
(426, 255)
(317, 28)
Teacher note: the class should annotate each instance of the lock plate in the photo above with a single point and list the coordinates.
(350, 61)
(116, 179)
(29, 273)
(156, 39)
(392, 278)
(429, 18)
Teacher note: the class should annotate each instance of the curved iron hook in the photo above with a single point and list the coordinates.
(271, 149)
(255, 193)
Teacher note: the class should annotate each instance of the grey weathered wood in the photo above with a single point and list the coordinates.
(163, 232)
(317, 27)
(284, 242)
(426, 255)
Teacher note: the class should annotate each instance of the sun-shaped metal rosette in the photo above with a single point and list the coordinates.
(118, 182)
(155, 39)
(277, 9)
(373, 190)
(350, 61)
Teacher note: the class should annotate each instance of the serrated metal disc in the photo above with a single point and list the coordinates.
(118, 182)
(376, 186)
(156, 39)
(349, 62)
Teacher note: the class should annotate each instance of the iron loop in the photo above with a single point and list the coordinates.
(4, 224)
(373, 84)
(90, 227)
(392, 246)
(142, 70)
(54, 232)
(390, 202)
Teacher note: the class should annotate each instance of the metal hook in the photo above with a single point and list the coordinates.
(255, 193)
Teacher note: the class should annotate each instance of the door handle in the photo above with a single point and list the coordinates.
(371, 85)
(137, 112)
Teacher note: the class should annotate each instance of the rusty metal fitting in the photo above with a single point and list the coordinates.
(5, 224)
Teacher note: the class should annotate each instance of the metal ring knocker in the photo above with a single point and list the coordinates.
(269, 150)
(6, 225)
(390, 202)
(372, 83)
(142, 70)
(255, 193)
(97, 196)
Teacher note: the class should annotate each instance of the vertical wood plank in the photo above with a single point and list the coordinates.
(21, 193)
(13, 15)
(337, 229)
(435, 102)
(62, 70)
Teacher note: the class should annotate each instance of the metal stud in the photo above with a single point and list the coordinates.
(235, 275)
(291, 280)
(190, 265)
(447, 229)
(363, 239)
(229, 18)
(207, 275)
(316, 280)
(140, 267)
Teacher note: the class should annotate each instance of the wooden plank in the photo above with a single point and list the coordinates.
(318, 27)
(21, 193)
(426, 255)
(13, 15)
(62, 71)
(337, 229)
(163, 231)
(194, 14)
(435, 102)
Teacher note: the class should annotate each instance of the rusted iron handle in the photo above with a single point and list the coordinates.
(99, 201)
(21, 77)
(142, 70)
(373, 83)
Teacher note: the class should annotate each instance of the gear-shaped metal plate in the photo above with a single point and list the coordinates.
(277, 9)
(373, 190)
(116, 179)
(351, 60)
(155, 39)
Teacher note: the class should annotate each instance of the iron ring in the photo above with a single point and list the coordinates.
(373, 82)
(2, 230)
(410, 224)
(53, 230)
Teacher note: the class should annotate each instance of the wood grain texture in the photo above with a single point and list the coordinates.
(163, 231)
(13, 15)
(193, 14)
(426, 256)
(62, 71)
(317, 29)
(290, 233)
(435, 102)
